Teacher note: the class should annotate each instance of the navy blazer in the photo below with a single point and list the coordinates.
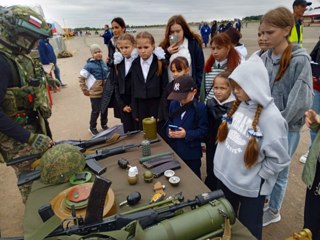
(195, 123)
(197, 61)
(122, 85)
(155, 84)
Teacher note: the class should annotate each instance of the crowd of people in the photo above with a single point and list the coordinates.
(248, 112)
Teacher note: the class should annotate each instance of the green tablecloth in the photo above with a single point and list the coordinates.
(190, 186)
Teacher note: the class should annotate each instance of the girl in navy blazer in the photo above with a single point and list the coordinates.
(149, 79)
(123, 61)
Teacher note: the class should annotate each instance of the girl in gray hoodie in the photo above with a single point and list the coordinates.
(290, 82)
(252, 144)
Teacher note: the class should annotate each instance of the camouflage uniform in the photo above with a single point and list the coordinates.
(25, 101)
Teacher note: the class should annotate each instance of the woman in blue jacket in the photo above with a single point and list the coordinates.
(48, 56)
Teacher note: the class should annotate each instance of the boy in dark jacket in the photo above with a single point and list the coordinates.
(188, 122)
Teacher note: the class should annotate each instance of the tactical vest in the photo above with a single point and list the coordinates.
(293, 38)
(28, 95)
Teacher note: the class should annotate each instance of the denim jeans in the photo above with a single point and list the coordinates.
(279, 189)
(316, 108)
(57, 73)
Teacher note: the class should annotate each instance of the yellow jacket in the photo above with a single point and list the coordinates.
(293, 38)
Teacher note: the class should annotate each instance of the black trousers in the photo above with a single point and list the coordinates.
(96, 111)
(248, 210)
(194, 165)
(147, 108)
(129, 124)
(211, 180)
(312, 207)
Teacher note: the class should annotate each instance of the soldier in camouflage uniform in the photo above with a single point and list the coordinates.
(24, 104)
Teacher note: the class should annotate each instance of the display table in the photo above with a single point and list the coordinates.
(190, 185)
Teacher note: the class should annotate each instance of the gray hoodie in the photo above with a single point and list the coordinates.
(229, 165)
(293, 92)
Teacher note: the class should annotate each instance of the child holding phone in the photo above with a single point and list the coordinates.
(178, 67)
(191, 123)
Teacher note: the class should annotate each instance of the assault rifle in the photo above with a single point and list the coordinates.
(91, 161)
(81, 145)
(93, 221)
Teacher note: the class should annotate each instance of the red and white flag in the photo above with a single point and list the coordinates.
(35, 21)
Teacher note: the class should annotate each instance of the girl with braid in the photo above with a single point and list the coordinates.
(252, 144)
(290, 80)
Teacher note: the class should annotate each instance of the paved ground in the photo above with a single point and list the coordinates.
(70, 121)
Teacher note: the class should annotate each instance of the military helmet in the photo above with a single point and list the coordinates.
(60, 162)
(21, 27)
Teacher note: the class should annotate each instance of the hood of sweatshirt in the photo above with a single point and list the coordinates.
(242, 50)
(296, 51)
(252, 77)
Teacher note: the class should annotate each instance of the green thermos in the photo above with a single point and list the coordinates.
(149, 126)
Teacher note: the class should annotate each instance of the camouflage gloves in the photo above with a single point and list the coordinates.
(40, 142)
(54, 83)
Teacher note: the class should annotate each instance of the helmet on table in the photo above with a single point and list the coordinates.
(21, 27)
(60, 162)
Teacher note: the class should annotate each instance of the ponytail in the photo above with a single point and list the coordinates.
(284, 61)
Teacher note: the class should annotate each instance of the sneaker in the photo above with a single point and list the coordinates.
(303, 158)
(93, 131)
(104, 127)
(63, 85)
(270, 217)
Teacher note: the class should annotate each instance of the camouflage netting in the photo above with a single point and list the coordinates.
(60, 162)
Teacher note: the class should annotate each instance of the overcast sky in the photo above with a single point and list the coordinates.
(82, 13)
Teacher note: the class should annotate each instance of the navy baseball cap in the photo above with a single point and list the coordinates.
(301, 2)
(181, 87)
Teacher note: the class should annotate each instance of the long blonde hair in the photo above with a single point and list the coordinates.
(281, 17)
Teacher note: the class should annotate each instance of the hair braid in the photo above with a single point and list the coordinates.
(284, 61)
(252, 151)
(223, 128)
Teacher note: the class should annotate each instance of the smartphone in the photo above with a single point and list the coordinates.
(173, 39)
(173, 128)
